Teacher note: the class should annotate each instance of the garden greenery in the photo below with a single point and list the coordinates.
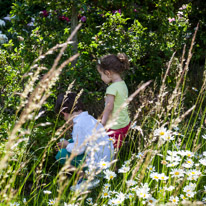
(163, 158)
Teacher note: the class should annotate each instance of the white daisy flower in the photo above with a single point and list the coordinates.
(155, 176)
(106, 186)
(133, 189)
(204, 136)
(124, 169)
(193, 172)
(174, 200)
(173, 164)
(189, 188)
(66, 204)
(177, 173)
(131, 183)
(51, 202)
(183, 197)
(14, 204)
(193, 177)
(47, 192)
(106, 194)
(121, 196)
(160, 132)
(139, 155)
(104, 164)
(151, 201)
(190, 194)
(109, 175)
(130, 195)
(151, 168)
(170, 188)
(168, 136)
(142, 193)
(89, 201)
(188, 163)
(173, 158)
(162, 176)
(189, 154)
(203, 161)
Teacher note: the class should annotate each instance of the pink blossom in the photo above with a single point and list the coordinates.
(171, 19)
(79, 16)
(67, 19)
(83, 19)
(64, 18)
(183, 7)
(116, 11)
(135, 10)
(45, 13)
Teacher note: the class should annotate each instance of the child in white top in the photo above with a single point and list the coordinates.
(89, 139)
(110, 67)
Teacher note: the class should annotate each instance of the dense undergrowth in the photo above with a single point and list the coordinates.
(161, 162)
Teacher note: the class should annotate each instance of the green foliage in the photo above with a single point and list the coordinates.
(147, 31)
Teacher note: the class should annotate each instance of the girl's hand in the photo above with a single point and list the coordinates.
(61, 145)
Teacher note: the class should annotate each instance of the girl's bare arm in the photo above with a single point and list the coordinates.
(108, 108)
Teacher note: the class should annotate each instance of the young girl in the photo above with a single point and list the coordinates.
(110, 67)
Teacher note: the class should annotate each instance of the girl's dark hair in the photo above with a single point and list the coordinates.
(70, 103)
(116, 63)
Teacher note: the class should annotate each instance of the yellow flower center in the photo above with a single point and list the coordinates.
(189, 155)
(162, 133)
(156, 177)
(105, 194)
(174, 200)
(193, 173)
(189, 162)
(177, 173)
(111, 177)
(151, 201)
(103, 164)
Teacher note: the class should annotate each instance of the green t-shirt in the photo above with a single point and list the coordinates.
(120, 91)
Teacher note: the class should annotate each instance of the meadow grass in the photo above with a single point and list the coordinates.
(162, 161)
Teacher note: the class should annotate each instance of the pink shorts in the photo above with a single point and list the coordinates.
(118, 135)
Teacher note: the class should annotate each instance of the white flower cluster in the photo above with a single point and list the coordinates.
(2, 23)
(164, 134)
(3, 38)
